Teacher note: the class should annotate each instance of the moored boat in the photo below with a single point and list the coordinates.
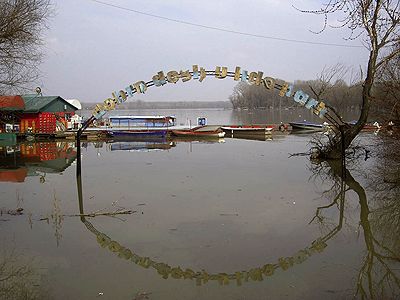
(247, 129)
(369, 126)
(306, 126)
(200, 131)
(138, 126)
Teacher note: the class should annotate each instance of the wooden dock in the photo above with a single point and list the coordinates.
(101, 134)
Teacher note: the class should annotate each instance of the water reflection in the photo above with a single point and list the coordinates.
(378, 211)
(378, 275)
(35, 159)
(20, 278)
(133, 146)
(201, 277)
(275, 136)
(204, 140)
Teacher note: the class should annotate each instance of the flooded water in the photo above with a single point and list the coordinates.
(180, 219)
(220, 116)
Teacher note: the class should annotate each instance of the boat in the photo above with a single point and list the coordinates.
(138, 126)
(368, 126)
(306, 126)
(247, 129)
(200, 131)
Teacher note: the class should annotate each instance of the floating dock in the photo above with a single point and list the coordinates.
(97, 133)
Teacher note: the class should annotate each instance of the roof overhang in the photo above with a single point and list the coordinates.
(11, 103)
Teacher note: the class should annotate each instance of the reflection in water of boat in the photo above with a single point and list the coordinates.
(248, 130)
(141, 146)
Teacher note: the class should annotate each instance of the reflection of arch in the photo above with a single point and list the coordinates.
(202, 277)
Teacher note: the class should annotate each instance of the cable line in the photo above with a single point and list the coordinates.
(225, 30)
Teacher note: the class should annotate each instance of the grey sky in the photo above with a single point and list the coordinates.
(93, 50)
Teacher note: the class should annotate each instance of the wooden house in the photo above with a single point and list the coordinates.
(45, 114)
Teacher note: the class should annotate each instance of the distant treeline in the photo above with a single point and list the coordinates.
(139, 104)
(338, 95)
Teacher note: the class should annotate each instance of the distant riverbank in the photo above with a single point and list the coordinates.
(168, 105)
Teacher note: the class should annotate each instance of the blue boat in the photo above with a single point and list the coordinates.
(140, 126)
(147, 122)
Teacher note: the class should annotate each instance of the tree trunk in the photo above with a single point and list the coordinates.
(351, 131)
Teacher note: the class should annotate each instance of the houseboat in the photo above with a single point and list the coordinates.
(138, 126)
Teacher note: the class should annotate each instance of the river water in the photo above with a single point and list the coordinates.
(185, 219)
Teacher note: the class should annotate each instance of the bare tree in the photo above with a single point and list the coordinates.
(377, 23)
(21, 26)
(387, 106)
(322, 86)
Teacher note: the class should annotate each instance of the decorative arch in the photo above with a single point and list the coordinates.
(160, 79)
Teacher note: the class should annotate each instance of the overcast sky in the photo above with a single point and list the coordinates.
(93, 49)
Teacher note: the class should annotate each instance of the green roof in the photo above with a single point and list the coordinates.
(35, 103)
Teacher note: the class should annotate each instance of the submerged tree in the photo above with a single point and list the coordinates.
(21, 26)
(330, 84)
(377, 23)
(387, 106)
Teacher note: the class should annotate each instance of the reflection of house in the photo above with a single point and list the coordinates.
(35, 159)
(13, 175)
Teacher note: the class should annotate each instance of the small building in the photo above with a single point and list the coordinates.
(45, 114)
(76, 121)
(11, 108)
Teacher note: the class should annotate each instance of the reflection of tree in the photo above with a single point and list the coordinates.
(378, 277)
(19, 279)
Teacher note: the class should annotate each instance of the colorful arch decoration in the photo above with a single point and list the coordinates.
(199, 73)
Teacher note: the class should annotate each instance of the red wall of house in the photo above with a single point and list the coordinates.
(43, 122)
(38, 123)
